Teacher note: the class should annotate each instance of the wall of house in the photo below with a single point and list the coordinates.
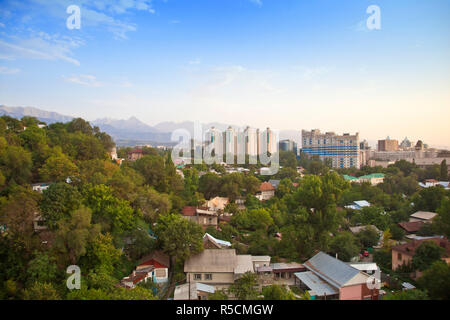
(217, 278)
(399, 258)
(351, 292)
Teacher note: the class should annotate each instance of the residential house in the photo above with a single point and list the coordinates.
(411, 227)
(40, 187)
(260, 261)
(330, 278)
(218, 268)
(371, 268)
(39, 222)
(284, 270)
(373, 179)
(135, 154)
(403, 254)
(217, 203)
(423, 216)
(137, 277)
(160, 263)
(358, 205)
(193, 291)
(201, 215)
(209, 242)
(266, 191)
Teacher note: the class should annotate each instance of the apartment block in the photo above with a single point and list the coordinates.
(341, 150)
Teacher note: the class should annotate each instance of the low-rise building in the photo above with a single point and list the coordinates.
(330, 278)
(403, 254)
(424, 216)
(260, 261)
(218, 268)
(411, 227)
(40, 187)
(266, 191)
(135, 154)
(193, 291)
(217, 203)
(209, 242)
(201, 215)
(358, 205)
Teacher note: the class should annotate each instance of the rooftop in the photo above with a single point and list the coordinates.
(411, 226)
(320, 287)
(424, 215)
(409, 248)
(266, 186)
(330, 269)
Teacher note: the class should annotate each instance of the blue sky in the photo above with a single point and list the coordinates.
(288, 64)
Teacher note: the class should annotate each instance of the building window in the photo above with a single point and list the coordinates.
(208, 276)
(197, 276)
(399, 256)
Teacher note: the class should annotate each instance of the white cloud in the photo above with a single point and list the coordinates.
(309, 73)
(40, 45)
(85, 80)
(2, 25)
(6, 70)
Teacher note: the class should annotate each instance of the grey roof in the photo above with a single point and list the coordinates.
(182, 291)
(408, 286)
(424, 215)
(244, 264)
(283, 265)
(205, 288)
(274, 182)
(212, 260)
(332, 270)
(316, 284)
(362, 203)
(220, 242)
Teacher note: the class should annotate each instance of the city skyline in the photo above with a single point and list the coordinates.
(210, 61)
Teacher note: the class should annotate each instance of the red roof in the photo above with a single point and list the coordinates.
(157, 259)
(411, 226)
(409, 248)
(266, 186)
(189, 211)
(135, 151)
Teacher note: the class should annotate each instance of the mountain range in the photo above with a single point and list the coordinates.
(131, 131)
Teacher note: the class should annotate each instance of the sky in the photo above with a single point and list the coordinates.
(287, 64)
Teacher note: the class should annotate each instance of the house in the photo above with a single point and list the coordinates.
(373, 179)
(193, 291)
(433, 183)
(403, 254)
(358, 229)
(358, 205)
(40, 187)
(330, 278)
(218, 268)
(370, 268)
(284, 270)
(260, 261)
(411, 227)
(201, 215)
(217, 203)
(39, 222)
(160, 263)
(266, 191)
(135, 154)
(137, 277)
(424, 216)
(209, 242)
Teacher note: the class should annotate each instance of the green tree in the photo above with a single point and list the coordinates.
(58, 168)
(218, 295)
(178, 237)
(58, 201)
(16, 164)
(436, 281)
(345, 245)
(277, 292)
(407, 295)
(426, 254)
(74, 234)
(442, 221)
(41, 291)
(42, 268)
(244, 287)
(444, 170)
(368, 237)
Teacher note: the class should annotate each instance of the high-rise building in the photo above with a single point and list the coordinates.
(267, 141)
(288, 145)
(251, 141)
(387, 145)
(214, 141)
(230, 141)
(343, 151)
(406, 144)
